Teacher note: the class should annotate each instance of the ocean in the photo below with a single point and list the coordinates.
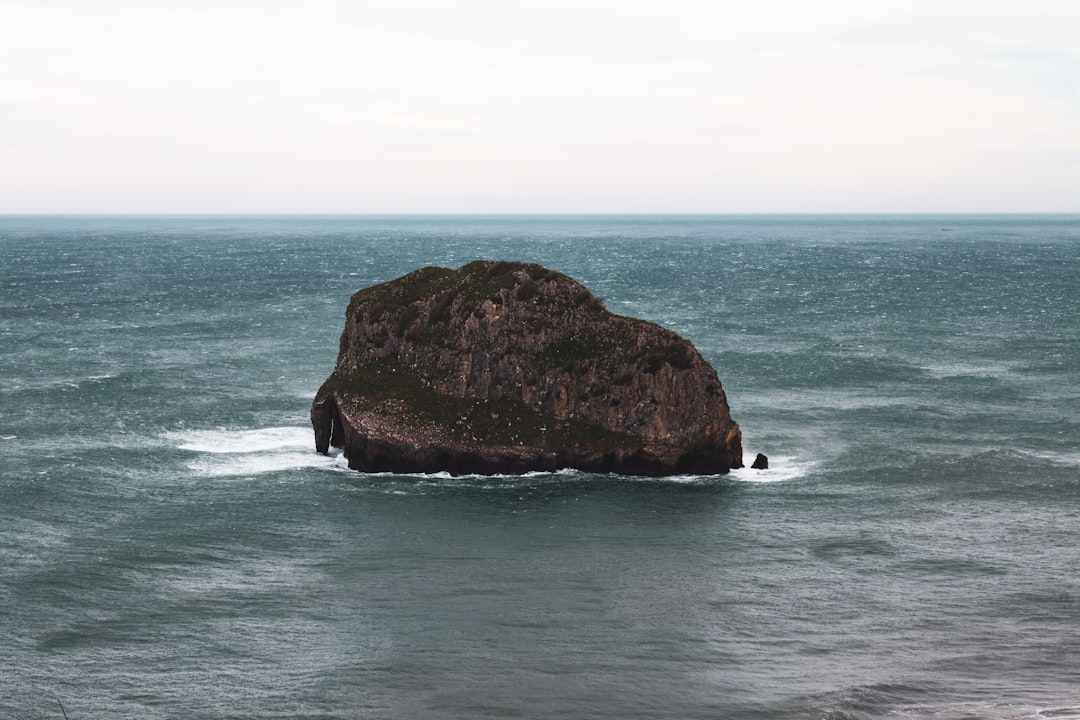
(172, 546)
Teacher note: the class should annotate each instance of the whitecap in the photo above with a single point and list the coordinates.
(243, 441)
(444, 475)
(257, 464)
(1053, 457)
(995, 711)
(781, 468)
(226, 452)
(1060, 713)
(678, 479)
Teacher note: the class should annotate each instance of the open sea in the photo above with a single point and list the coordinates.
(171, 545)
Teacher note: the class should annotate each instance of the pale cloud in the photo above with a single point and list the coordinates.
(415, 106)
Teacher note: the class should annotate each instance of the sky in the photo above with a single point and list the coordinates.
(539, 106)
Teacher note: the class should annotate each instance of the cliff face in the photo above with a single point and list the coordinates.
(507, 368)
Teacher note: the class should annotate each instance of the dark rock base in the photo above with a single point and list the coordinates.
(368, 452)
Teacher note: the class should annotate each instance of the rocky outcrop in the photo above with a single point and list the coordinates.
(508, 368)
(761, 462)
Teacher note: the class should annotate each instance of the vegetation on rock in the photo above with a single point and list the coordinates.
(511, 367)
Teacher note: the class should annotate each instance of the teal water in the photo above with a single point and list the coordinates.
(171, 546)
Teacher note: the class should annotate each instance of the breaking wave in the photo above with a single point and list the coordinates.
(781, 469)
(225, 452)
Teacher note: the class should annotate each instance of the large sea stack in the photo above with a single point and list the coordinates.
(501, 367)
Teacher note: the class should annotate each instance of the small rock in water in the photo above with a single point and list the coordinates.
(760, 462)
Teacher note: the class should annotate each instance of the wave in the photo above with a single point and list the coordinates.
(1015, 457)
(929, 699)
(945, 370)
(443, 475)
(1051, 456)
(259, 464)
(225, 452)
(223, 440)
(929, 702)
(781, 469)
(974, 711)
(63, 384)
(1062, 713)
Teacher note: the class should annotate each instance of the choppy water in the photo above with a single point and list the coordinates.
(172, 547)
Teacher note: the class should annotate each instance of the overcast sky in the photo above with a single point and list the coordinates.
(508, 106)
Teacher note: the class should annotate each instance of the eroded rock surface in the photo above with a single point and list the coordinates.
(503, 367)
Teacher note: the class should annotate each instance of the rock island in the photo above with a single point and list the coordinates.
(507, 368)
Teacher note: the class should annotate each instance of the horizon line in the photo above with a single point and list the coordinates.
(866, 213)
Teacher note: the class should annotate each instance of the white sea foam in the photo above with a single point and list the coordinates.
(992, 711)
(244, 441)
(252, 452)
(809, 399)
(679, 479)
(444, 475)
(781, 468)
(1053, 457)
(257, 464)
(226, 452)
(254, 576)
